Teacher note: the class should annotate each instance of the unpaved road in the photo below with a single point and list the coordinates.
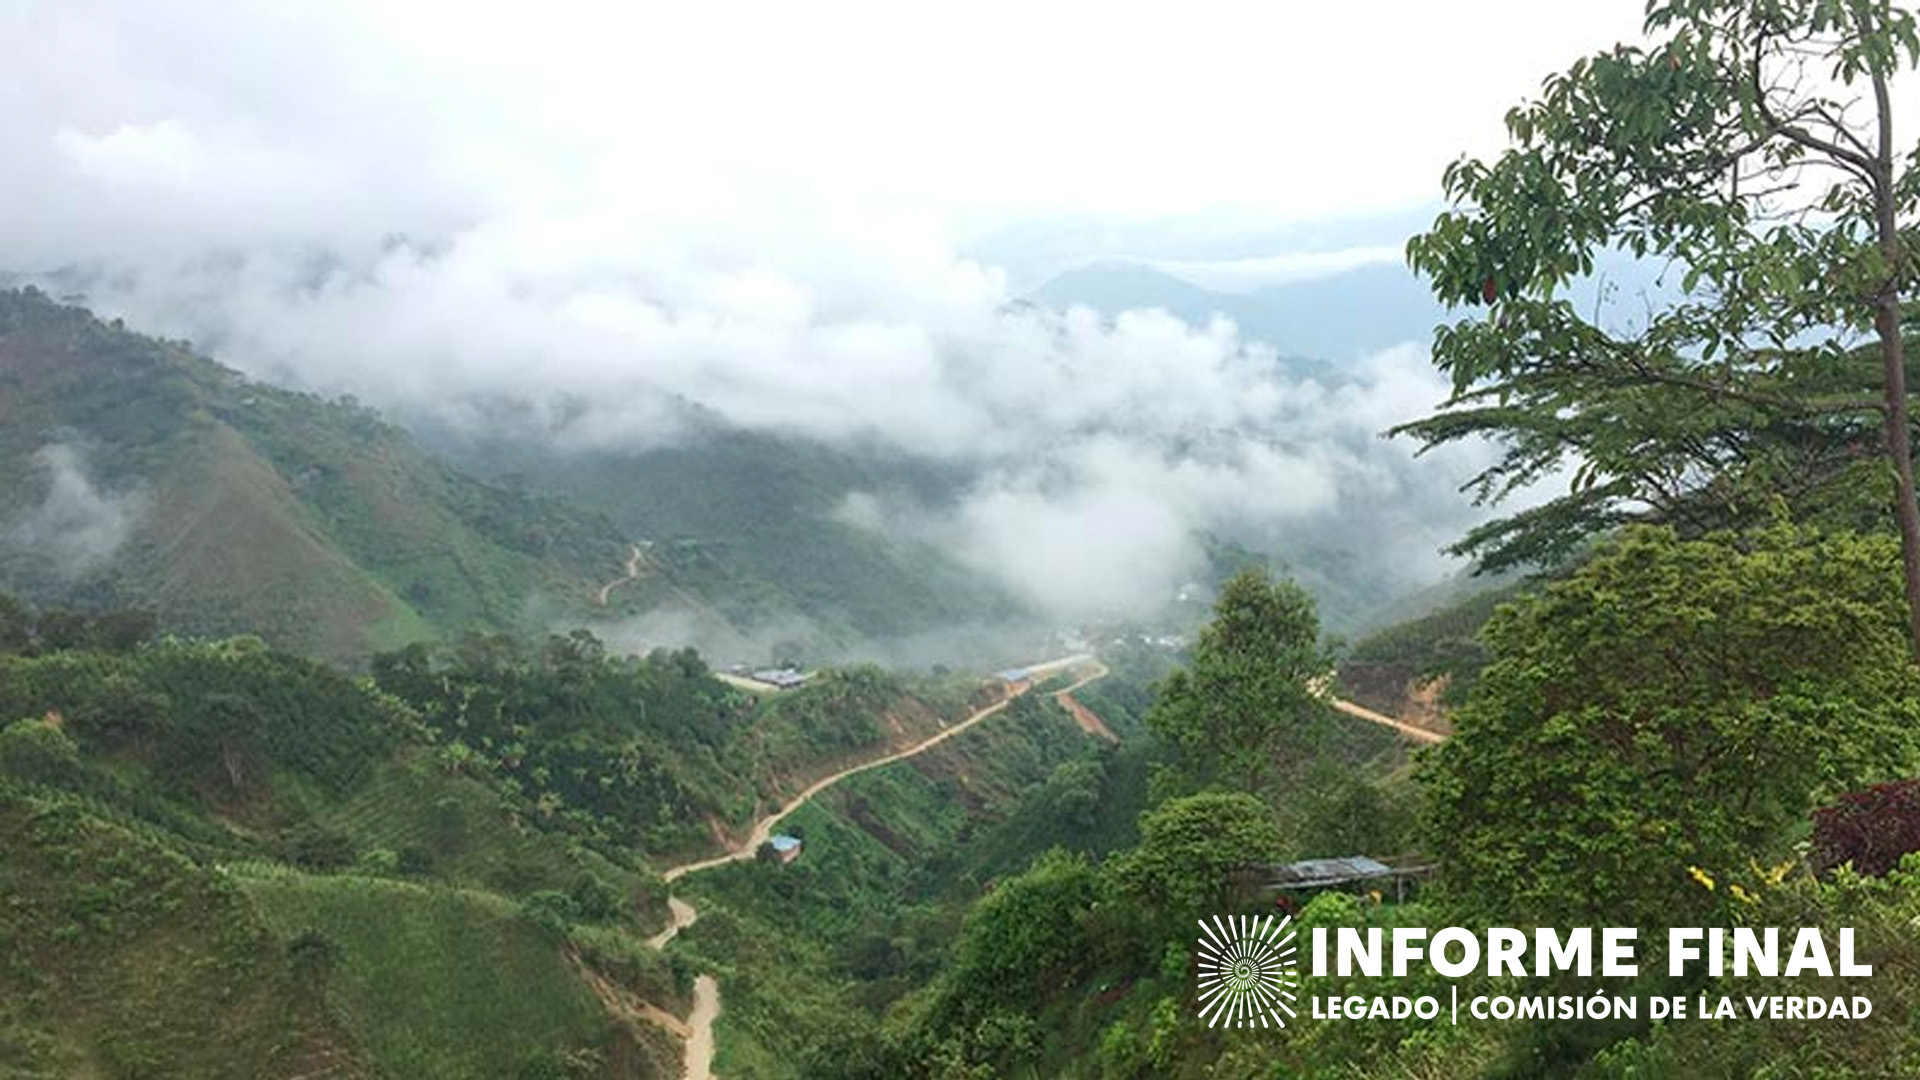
(1088, 720)
(697, 1029)
(706, 1009)
(763, 829)
(680, 915)
(1361, 712)
(634, 558)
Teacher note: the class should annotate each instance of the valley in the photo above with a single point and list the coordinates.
(698, 1028)
(526, 531)
(606, 768)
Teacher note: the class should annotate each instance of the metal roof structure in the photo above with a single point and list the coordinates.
(1318, 873)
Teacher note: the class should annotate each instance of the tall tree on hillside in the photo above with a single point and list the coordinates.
(1245, 710)
(1749, 150)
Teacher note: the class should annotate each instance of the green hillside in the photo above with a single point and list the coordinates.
(135, 472)
(127, 958)
(229, 861)
(752, 524)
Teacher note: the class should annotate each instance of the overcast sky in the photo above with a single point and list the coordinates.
(799, 215)
(203, 116)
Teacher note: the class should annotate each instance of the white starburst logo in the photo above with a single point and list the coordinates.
(1246, 971)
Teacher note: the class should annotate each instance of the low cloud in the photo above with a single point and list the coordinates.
(1243, 275)
(491, 241)
(77, 526)
(1098, 451)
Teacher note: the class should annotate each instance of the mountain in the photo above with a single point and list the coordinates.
(135, 472)
(1331, 319)
(757, 525)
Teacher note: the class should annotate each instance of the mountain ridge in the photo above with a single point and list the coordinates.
(231, 506)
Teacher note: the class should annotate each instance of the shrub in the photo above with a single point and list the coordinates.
(1671, 707)
(1872, 829)
(551, 910)
(38, 752)
(312, 954)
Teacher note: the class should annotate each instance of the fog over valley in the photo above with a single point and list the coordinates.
(622, 255)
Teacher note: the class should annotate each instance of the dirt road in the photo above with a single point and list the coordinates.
(697, 1029)
(763, 829)
(634, 558)
(706, 1009)
(680, 915)
(1361, 712)
(1088, 720)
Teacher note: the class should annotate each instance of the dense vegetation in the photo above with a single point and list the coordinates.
(817, 958)
(756, 523)
(402, 874)
(1078, 965)
(1774, 366)
(227, 860)
(1647, 744)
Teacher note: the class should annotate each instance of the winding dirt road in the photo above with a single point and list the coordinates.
(635, 557)
(697, 1029)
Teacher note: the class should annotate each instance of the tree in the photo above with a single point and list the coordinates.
(1188, 844)
(1749, 148)
(1673, 706)
(1027, 935)
(1246, 705)
(38, 752)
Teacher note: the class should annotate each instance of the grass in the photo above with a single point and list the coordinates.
(440, 983)
(123, 959)
(468, 835)
(311, 523)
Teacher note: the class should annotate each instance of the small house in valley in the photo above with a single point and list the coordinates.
(784, 678)
(785, 848)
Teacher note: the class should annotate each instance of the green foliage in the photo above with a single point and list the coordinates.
(814, 955)
(837, 712)
(1443, 643)
(1886, 1044)
(314, 955)
(1703, 150)
(26, 631)
(211, 718)
(754, 524)
(123, 959)
(1245, 709)
(39, 753)
(438, 982)
(1348, 814)
(626, 747)
(1673, 704)
(309, 522)
(1188, 844)
(1026, 936)
(142, 762)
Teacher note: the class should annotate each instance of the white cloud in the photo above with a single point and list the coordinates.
(600, 214)
(77, 526)
(1248, 274)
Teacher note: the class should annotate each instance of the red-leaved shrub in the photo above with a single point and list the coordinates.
(1871, 828)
